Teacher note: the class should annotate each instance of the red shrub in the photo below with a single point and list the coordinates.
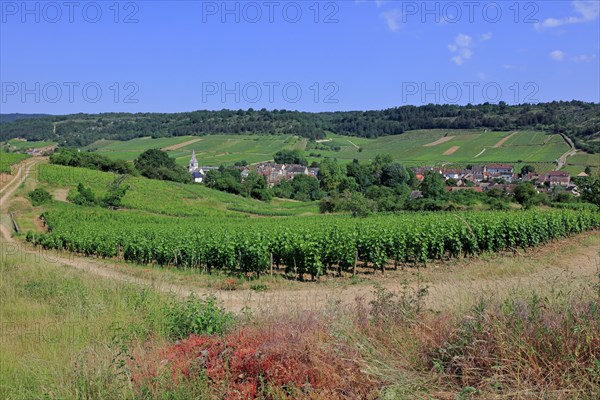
(279, 361)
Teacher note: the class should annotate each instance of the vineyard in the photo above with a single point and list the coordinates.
(300, 246)
(9, 159)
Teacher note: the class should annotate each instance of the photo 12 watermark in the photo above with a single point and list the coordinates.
(30, 253)
(53, 12)
(68, 92)
(469, 92)
(254, 12)
(270, 92)
(454, 12)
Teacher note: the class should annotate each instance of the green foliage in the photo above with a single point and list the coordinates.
(83, 196)
(526, 169)
(196, 316)
(303, 244)
(156, 164)
(230, 180)
(526, 195)
(39, 196)
(330, 174)
(290, 157)
(433, 186)
(75, 158)
(302, 188)
(115, 192)
(590, 189)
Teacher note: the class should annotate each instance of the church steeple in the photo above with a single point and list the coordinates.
(193, 165)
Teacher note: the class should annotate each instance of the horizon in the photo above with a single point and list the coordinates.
(326, 56)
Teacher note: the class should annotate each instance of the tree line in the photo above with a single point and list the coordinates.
(578, 120)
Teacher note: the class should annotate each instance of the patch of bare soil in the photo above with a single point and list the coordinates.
(180, 145)
(451, 150)
(439, 141)
(61, 194)
(503, 140)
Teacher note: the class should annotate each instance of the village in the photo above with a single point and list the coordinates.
(479, 178)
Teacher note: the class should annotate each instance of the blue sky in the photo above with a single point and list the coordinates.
(305, 55)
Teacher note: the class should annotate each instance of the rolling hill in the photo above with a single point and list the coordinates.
(578, 120)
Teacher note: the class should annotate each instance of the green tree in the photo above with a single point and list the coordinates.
(525, 194)
(360, 173)
(115, 192)
(433, 185)
(590, 189)
(83, 196)
(394, 174)
(39, 196)
(330, 174)
(527, 169)
(156, 164)
(290, 157)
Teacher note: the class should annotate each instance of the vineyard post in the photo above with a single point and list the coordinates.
(271, 263)
(355, 262)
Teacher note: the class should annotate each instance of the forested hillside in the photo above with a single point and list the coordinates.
(578, 120)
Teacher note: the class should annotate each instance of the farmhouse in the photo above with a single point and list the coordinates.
(503, 171)
(275, 173)
(555, 178)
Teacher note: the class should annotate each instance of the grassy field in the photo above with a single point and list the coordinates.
(425, 147)
(577, 163)
(170, 198)
(67, 334)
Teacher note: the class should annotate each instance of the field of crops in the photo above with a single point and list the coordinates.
(24, 145)
(300, 246)
(8, 159)
(411, 148)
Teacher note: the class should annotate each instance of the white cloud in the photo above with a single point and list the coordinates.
(557, 55)
(462, 48)
(486, 36)
(584, 58)
(508, 66)
(392, 18)
(463, 40)
(586, 10)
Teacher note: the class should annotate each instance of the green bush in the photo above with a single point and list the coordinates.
(83, 196)
(196, 316)
(39, 196)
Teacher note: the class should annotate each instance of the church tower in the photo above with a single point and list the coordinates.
(193, 165)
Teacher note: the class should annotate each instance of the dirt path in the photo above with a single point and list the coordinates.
(480, 153)
(439, 141)
(180, 145)
(572, 151)
(448, 283)
(503, 140)
(352, 143)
